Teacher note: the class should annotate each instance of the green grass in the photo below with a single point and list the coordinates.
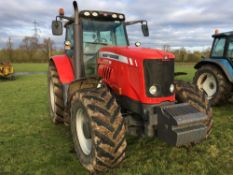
(185, 67)
(30, 67)
(31, 144)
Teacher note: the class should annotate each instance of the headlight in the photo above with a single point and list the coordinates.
(114, 15)
(95, 14)
(121, 16)
(153, 90)
(87, 13)
(137, 44)
(172, 88)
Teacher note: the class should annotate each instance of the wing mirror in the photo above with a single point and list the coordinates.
(57, 27)
(145, 29)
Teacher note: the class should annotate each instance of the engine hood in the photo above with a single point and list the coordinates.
(138, 52)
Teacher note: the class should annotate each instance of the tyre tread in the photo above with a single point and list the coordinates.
(108, 126)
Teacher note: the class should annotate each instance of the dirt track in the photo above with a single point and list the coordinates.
(30, 73)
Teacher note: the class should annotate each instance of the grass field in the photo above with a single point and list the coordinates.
(31, 145)
(30, 67)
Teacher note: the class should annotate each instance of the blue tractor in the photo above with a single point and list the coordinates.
(214, 75)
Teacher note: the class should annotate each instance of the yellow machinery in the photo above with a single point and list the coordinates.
(6, 70)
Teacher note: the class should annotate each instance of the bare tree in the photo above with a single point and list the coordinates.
(206, 52)
(30, 45)
(9, 49)
(47, 47)
(166, 47)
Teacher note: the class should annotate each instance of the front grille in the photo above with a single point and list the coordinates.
(159, 73)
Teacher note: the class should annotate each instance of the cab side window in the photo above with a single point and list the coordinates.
(70, 39)
(230, 49)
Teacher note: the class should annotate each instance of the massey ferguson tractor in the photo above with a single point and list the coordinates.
(103, 89)
(214, 75)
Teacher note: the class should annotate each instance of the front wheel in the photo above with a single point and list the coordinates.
(188, 93)
(98, 129)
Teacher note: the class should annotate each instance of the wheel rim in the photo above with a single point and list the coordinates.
(207, 83)
(52, 96)
(83, 132)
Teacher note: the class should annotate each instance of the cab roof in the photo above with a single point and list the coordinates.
(101, 15)
(225, 34)
(104, 15)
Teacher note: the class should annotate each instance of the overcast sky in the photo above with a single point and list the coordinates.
(180, 23)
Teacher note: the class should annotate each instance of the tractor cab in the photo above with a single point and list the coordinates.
(222, 46)
(97, 30)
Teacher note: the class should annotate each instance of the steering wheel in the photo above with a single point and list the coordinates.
(101, 40)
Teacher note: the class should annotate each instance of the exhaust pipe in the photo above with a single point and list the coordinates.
(78, 57)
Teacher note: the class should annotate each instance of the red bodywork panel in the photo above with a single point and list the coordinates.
(64, 68)
(125, 75)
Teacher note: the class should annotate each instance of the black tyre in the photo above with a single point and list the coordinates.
(214, 83)
(98, 129)
(188, 93)
(12, 77)
(56, 102)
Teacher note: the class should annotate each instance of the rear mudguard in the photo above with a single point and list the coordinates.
(64, 68)
(222, 64)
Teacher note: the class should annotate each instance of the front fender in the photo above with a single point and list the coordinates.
(222, 64)
(64, 68)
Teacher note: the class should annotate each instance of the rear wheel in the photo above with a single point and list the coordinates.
(56, 101)
(213, 82)
(188, 93)
(98, 129)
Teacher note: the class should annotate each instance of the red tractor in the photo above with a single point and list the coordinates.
(103, 89)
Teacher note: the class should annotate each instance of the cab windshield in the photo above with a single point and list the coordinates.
(98, 34)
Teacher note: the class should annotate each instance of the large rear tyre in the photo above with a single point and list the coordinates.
(188, 93)
(98, 129)
(214, 83)
(56, 102)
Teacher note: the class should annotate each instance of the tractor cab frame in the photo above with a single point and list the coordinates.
(222, 46)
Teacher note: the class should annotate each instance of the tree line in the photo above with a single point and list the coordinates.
(31, 50)
(184, 55)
